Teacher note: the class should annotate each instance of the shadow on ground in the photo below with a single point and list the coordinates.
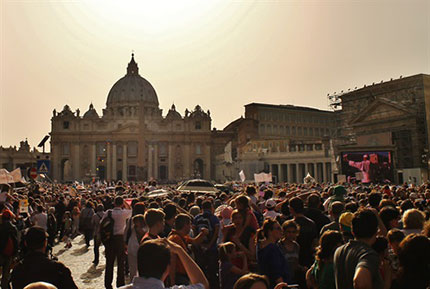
(80, 251)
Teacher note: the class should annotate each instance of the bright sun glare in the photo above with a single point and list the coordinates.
(152, 16)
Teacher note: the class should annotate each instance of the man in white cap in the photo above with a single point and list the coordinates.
(270, 209)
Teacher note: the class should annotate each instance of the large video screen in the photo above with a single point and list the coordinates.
(367, 167)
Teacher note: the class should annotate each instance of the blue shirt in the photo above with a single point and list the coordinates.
(273, 264)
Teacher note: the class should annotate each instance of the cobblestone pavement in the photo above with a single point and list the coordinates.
(79, 260)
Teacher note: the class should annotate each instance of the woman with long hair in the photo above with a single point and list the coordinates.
(270, 260)
(228, 272)
(241, 235)
(321, 274)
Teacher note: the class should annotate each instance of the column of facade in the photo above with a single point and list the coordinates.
(326, 177)
(171, 163)
(108, 162)
(156, 169)
(114, 160)
(76, 163)
(298, 173)
(187, 161)
(315, 172)
(207, 168)
(150, 162)
(93, 159)
(55, 162)
(124, 162)
(280, 176)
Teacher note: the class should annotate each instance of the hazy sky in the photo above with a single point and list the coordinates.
(219, 54)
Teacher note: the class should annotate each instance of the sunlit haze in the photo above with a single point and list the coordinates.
(218, 54)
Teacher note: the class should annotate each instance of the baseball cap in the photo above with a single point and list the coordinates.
(345, 220)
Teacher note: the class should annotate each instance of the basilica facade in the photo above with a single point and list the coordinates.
(132, 140)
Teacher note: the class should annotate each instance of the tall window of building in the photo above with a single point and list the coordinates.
(163, 149)
(66, 149)
(198, 149)
(305, 131)
(66, 125)
(198, 125)
(132, 149)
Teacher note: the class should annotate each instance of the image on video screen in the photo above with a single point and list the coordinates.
(367, 167)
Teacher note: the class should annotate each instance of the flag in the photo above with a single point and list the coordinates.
(309, 179)
(242, 176)
(5, 177)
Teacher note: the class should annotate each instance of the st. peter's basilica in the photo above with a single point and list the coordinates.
(132, 140)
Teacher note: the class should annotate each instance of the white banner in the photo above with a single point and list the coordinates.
(242, 176)
(16, 175)
(263, 178)
(5, 177)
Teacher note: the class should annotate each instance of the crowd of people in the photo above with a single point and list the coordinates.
(246, 236)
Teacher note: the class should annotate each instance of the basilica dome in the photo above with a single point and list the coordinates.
(132, 89)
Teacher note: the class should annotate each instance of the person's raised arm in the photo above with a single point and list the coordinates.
(200, 237)
(193, 270)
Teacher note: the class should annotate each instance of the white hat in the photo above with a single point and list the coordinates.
(270, 203)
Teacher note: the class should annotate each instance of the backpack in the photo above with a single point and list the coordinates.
(52, 225)
(9, 242)
(201, 222)
(106, 229)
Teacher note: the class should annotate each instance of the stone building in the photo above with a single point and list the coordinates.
(22, 157)
(132, 140)
(390, 117)
(289, 141)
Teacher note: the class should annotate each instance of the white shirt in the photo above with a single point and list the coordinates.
(152, 283)
(120, 217)
(270, 214)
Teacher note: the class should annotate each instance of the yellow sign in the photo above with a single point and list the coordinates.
(23, 206)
